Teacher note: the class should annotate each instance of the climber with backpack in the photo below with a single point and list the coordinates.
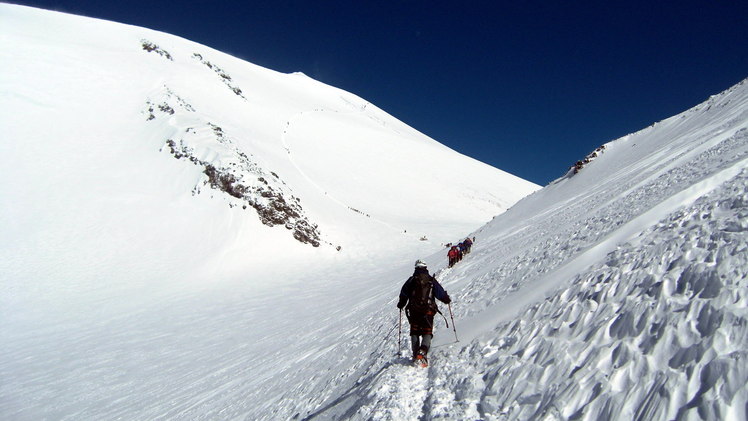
(452, 255)
(418, 297)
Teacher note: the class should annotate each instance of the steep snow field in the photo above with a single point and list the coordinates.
(185, 233)
(160, 205)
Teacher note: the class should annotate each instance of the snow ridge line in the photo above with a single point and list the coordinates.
(508, 308)
(546, 252)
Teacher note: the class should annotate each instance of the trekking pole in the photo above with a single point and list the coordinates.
(399, 332)
(453, 321)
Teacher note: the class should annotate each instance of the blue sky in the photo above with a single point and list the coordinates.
(525, 86)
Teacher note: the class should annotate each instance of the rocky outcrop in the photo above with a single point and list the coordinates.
(579, 165)
(153, 48)
(225, 78)
(236, 173)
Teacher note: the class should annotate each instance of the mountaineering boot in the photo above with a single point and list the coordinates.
(421, 361)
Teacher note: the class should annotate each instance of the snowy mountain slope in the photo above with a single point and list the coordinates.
(291, 151)
(615, 293)
(179, 224)
(133, 289)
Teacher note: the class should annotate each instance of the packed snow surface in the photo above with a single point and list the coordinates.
(189, 236)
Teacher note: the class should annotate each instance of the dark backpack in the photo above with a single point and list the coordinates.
(421, 299)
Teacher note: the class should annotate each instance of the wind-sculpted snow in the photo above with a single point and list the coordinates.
(579, 224)
(657, 331)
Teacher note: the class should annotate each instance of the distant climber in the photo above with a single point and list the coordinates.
(468, 245)
(418, 296)
(452, 254)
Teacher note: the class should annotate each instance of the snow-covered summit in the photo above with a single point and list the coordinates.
(138, 119)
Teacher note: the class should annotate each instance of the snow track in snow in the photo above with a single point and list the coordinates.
(288, 135)
(397, 393)
(288, 127)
